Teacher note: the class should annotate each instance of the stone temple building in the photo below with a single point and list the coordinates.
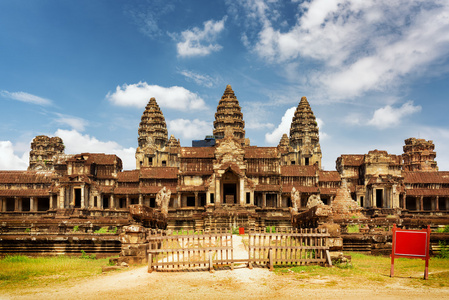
(229, 182)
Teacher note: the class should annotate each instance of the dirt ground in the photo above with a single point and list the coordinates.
(258, 283)
(241, 283)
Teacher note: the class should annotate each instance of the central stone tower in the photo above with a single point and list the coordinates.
(229, 115)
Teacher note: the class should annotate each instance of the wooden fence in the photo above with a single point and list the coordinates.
(294, 247)
(190, 251)
(204, 250)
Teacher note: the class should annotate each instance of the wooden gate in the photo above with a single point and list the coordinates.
(190, 251)
(294, 247)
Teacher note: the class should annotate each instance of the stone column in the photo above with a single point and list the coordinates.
(127, 201)
(111, 201)
(417, 203)
(251, 198)
(1, 204)
(51, 202)
(374, 203)
(437, 204)
(432, 203)
(421, 203)
(20, 204)
(61, 199)
(33, 204)
(331, 198)
(404, 202)
(140, 199)
(447, 203)
(179, 201)
(196, 199)
(242, 192)
(217, 191)
(16, 204)
(82, 198)
(264, 200)
(207, 198)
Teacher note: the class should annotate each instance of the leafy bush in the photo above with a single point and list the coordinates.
(84, 255)
(445, 229)
(76, 228)
(353, 228)
(444, 250)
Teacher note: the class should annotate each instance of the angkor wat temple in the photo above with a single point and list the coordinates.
(225, 182)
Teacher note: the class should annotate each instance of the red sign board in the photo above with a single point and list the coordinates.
(411, 244)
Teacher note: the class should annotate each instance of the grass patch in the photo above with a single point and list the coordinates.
(376, 269)
(27, 272)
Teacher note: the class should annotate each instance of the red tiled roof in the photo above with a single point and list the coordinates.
(329, 176)
(97, 158)
(159, 173)
(328, 191)
(352, 159)
(267, 188)
(427, 192)
(232, 166)
(299, 171)
(197, 152)
(105, 189)
(187, 188)
(301, 189)
(24, 193)
(18, 177)
(426, 177)
(128, 176)
(261, 152)
(126, 191)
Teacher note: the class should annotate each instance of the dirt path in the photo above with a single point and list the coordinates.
(257, 283)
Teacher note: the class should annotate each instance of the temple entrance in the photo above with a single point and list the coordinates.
(230, 193)
(379, 198)
(230, 188)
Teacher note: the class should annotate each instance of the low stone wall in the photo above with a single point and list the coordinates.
(101, 245)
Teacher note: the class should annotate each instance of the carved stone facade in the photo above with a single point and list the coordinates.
(229, 183)
(419, 155)
(44, 152)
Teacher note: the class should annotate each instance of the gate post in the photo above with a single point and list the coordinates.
(150, 260)
(270, 257)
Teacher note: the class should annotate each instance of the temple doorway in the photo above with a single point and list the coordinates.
(230, 188)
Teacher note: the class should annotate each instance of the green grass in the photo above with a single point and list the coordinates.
(376, 269)
(353, 228)
(22, 271)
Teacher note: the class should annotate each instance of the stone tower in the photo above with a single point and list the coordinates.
(419, 155)
(304, 136)
(229, 115)
(153, 136)
(44, 152)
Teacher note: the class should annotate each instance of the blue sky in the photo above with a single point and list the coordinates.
(374, 72)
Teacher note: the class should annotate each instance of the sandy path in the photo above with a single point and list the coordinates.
(257, 283)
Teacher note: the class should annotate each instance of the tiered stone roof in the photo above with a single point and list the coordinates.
(419, 155)
(229, 115)
(304, 128)
(152, 128)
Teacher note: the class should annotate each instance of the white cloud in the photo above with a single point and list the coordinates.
(9, 160)
(201, 42)
(199, 79)
(188, 129)
(76, 123)
(139, 94)
(258, 125)
(76, 142)
(356, 46)
(25, 97)
(284, 127)
(389, 116)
